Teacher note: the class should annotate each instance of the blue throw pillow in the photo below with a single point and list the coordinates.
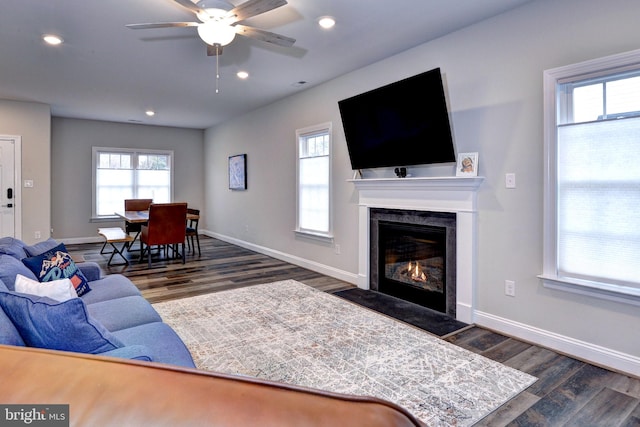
(67, 326)
(56, 264)
(10, 268)
(13, 247)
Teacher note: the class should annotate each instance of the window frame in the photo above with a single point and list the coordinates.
(135, 152)
(550, 277)
(322, 128)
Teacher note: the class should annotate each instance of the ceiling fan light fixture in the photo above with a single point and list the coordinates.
(213, 32)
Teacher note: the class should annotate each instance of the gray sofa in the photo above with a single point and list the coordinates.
(111, 318)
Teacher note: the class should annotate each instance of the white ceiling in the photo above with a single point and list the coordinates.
(105, 71)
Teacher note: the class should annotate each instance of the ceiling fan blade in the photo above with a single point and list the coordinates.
(252, 8)
(161, 25)
(191, 6)
(265, 36)
(213, 51)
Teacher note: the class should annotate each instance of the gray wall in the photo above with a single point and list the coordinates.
(493, 73)
(32, 122)
(71, 144)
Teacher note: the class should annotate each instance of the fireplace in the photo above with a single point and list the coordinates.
(412, 257)
(456, 196)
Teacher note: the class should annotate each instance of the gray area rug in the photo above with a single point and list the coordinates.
(290, 332)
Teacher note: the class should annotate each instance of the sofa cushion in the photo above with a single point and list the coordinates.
(90, 269)
(13, 247)
(110, 287)
(122, 313)
(163, 342)
(56, 263)
(133, 352)
(9, 335)
(41, 247)
(10, 267)
(67, 326)
(59, 290)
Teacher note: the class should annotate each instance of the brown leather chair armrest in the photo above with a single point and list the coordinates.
(108, 391)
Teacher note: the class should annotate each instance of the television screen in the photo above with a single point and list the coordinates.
(401, 124)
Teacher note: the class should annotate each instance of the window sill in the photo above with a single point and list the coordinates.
(618, 293)
(327, 238)
(109, 218)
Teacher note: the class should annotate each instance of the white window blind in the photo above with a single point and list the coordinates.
(599, 201)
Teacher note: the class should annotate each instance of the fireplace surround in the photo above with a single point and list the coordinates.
(453, 195)
(413, 256)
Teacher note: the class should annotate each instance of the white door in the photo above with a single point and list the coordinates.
(9, 146)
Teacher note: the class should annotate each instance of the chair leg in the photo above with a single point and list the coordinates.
(134, 239)
(183, 254)
(142, 251)
(198, 240)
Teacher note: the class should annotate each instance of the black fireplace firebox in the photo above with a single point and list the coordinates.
(412, 257)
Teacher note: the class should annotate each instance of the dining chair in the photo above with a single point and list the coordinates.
(193, 217)
(166, 227)
(135, 205)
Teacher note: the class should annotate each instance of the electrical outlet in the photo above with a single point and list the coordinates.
(510, 288)
(36, 235)
(510, 180)
(337, 249)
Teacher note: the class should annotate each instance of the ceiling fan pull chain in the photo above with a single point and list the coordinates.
(217, 46)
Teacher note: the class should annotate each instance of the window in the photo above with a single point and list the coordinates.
(121, 173)
(314, 181)
(592, 178)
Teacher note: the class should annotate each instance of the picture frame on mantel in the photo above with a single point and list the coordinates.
(238, 172)
(467, 164)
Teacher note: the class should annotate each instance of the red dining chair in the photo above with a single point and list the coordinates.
(135, 205)
(166, 227)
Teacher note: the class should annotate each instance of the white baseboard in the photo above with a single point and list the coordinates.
(589, 352)
(300, 262)
(79, 240)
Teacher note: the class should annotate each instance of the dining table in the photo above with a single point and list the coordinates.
(142, 217)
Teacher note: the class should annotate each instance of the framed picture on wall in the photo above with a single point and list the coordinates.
(467, 164)
(238, 172)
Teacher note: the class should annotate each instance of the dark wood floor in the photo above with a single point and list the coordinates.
(568, 392)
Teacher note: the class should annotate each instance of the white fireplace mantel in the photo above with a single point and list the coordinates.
(438, 194)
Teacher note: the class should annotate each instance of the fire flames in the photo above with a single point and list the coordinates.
(415, 272)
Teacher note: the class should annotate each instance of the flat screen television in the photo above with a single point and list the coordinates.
(401, 124)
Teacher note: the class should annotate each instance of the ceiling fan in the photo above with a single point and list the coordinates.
(220, 22)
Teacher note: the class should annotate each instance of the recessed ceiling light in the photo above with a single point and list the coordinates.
(52, 39)
(150, 113)
(326, 22)
(242, 74)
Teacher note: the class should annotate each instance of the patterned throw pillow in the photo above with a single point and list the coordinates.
(56, 264)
